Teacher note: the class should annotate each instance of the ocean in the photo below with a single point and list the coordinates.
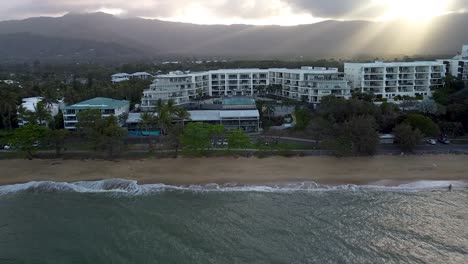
(118, 221)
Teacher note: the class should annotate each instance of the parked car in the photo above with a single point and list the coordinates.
(7, 147)
(445, 141)
(431, 141)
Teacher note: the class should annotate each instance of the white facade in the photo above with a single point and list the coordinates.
(141, 75)
(388, 80)
(107, 106)
(121, 77)
(310, 84)
(458, 65)
(30, 104)
(307, 83)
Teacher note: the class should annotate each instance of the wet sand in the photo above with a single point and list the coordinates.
(184, 171)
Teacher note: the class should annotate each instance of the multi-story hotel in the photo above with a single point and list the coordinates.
(458, 65)
(388, 80)
(107, 106)
(310, 84)
(307, 83)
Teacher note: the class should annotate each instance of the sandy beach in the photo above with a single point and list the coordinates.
(183, 171)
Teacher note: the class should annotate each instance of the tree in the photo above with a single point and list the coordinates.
(147, 121)
(28, 138)
(58, 121)
(57, 138)
(26, 116)
(424, 124)
(428, 107)
(237, 139)
(198, 136)
(362, 132)
(104, 134)
(8, 107)
(175, 137)
(42, 113)
(302, 118)
(407, 137)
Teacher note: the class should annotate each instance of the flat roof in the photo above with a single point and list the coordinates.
(397, 64)
(99, 103)
(207, 115)
(122, 74)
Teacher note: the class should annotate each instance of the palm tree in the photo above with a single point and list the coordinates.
(147, 121)
(49, 95)
(42, 113)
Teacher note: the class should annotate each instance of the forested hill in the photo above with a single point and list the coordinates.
(99, 36)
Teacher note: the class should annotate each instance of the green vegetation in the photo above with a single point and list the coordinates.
(347, 127)
(104, 133)
(424, 124)
(27, 139)
(407, 137)
(237, 139)
(302, 117)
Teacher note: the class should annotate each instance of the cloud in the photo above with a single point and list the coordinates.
(208, 9)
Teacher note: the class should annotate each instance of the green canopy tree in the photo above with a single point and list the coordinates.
(407, 137)
(424, 124)
(237, 139)
(28, 138)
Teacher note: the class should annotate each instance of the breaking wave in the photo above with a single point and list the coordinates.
(133, 188)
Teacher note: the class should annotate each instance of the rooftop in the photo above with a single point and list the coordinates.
(123, 74)
(397, 64)
(140, 73)
(207, 115)
(99, 103)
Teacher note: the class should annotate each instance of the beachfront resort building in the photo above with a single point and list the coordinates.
(121, 77)
(390, 79)
(233, 113)
(458, 65)
(30, 105)
(107, 106)
(307, 84)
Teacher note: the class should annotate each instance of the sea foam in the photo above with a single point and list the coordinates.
(120, 186)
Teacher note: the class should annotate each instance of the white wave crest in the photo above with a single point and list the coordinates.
(132, 187)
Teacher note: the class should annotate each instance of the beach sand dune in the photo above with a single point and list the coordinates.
(183, 171)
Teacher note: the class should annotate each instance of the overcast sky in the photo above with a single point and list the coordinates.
(284, 12)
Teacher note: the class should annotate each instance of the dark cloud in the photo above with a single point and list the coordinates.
(244, 9)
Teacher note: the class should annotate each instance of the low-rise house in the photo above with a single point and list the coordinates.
(120, 77)
(107, 106)
(30, 104)
(141, 75)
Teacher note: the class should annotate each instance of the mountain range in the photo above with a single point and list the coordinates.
(100, 36)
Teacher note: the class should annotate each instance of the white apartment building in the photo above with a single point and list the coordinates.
(307, 83)
(310, 84)
(107, 106)
(388, 80)
(458, 65)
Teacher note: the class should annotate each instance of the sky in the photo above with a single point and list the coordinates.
(258, 12)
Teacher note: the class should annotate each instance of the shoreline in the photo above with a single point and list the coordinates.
(381, 170)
